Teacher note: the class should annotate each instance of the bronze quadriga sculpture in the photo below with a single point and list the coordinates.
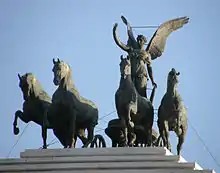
(69, 114)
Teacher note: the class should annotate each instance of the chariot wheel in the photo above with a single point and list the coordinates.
(98, 142)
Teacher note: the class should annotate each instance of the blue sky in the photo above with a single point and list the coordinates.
(80, 33)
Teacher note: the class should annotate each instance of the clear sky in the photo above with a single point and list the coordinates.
(80, 33)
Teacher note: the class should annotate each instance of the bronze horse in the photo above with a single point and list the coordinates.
(35, 106)
(71, 109)
(132, 108)
(172, 114)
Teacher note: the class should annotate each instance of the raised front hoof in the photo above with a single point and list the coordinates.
(18, 113)
(16, 131)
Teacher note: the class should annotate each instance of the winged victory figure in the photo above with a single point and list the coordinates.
(140, 56)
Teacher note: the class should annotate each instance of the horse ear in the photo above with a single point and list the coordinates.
(121, 57)
(54, 62)
(19, 76)
(58, 60)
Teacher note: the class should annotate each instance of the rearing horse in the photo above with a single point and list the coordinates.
(131, 107)
(35, 106)
(72, 110)
(172, 114)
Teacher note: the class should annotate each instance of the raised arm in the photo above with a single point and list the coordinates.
(117, 41)
(129, 29)
(131, 39)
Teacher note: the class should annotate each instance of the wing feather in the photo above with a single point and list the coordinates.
(158, 41)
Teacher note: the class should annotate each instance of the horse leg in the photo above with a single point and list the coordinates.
(149, 136)
(114, 144)
(164, 133)
(72, 128)
(82, 136)
(181, 138)
(44, 130)
(44, 136)
(22, 116)
(159, 141)
(167, 134)
(90, 135)
(100, 143)
(131, 136)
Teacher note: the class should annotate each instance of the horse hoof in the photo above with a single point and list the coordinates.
(84, 146)
(44, 147)
(16, 131)
(18, 112)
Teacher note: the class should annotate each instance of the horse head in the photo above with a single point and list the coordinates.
(27, 84)
(172, 79)
(61, 70)
(125, 66)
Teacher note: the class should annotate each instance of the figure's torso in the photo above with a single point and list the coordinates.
(139, 59)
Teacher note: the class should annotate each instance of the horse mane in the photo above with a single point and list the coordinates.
(36, 88)
(69, 81)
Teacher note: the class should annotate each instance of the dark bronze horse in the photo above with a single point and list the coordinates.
(35, 106)
(132, 108)
(71, 109)
(172, 114)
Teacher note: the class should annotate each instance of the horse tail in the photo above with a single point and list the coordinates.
(15, 128)
(152, 95)
(102, 142)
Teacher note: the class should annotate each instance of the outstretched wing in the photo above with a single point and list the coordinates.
(131, 39)
(158, 41)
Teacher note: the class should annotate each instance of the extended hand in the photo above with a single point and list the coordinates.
(124, 20)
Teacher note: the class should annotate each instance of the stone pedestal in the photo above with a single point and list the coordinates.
(99, 160)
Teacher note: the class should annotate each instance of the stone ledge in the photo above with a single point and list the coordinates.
(182, 160)
(88, 159)
(93, 152)
(96, 166)
(128, 171)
